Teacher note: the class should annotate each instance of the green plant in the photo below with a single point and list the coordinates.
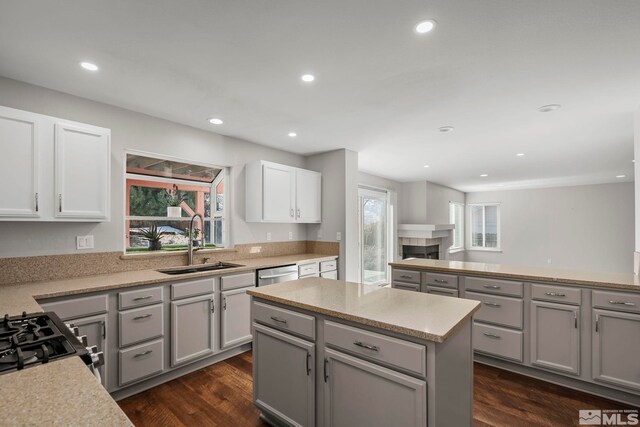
(194, 235)
(153, 235)
(175, 197)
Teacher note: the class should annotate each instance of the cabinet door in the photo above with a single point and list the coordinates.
(19, 132)
(616, 348)
(95, 328)
(236, 317)
(82, 171)
(192, 328)
(555, 336)
(359, 393)
(283, 376)
(278, 185)
(308, 196)
(330, 275)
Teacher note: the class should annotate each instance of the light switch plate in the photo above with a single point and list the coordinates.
(319, 234)
(84, 242)
(338, 236)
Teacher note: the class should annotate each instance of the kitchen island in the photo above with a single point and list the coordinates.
(574, 328)
(329, 352)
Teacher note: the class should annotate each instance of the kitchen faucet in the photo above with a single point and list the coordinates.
(191, 239)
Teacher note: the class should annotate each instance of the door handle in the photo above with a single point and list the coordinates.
(326, 372)
(36, 202)
(291, 212)
(224, 303)
(307, 362)
(59, 202)
(213, 305)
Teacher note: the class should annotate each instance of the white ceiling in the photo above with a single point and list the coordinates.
(380, 88)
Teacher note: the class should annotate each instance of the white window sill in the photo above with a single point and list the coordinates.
(456, 250)
(485, 249)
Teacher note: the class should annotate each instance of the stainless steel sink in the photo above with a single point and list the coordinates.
(199, 268)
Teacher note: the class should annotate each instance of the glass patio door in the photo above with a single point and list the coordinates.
(374, 239)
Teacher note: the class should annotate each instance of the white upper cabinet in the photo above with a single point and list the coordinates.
(282, 194)
(53, 170)
(82, 165)
(19, 163)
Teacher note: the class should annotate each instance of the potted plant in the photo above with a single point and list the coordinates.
(174, 200)
(153, 235)
(194, 236)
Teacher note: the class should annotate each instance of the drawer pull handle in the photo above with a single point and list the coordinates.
(405, 276)
(622, 303)
(494, 336)
(144, 353)
(492, 304)
(143, 298)
(492, 286)
(432, 291)
(279, 319)
(554, 294)
(440, 281)
(144, 316)
(367, 346)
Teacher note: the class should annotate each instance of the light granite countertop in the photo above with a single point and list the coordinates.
(420, 315)
(63, 392)
(531, 274)
(14, 299)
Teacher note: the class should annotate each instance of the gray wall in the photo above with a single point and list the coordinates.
(425, 202)
(438, 198)
(137, 131)
(587, 228)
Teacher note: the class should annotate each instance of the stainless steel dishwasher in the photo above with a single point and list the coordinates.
(269, 276)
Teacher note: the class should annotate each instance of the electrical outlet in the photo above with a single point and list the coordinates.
(548, 260)
(291, 235)
(84, 242)
(268, 236)
(338, 236)
(319, 234)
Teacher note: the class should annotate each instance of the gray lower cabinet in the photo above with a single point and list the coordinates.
(236, 318)
(616, 348)
(555, 336)
(192, 328)
(283, 376)
(95, 328)
(352, 386)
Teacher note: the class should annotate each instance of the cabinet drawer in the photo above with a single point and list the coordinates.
(616, 301)
(441, 280)
(139, 297)
(560, 294)
(191, 289)
(141, 324)
(391, 351)
(77, 307)
(497, 341)
(328, 266)
(493, 286)
(436, 290)
(408, 276)
(310, 269)
(330, 275)
(406, 286)
(285, 320)
(238, 281)
(499, 310)
(141, 361)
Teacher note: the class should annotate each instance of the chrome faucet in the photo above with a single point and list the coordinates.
(191, 248)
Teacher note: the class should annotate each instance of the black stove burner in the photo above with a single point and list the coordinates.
(32, 339)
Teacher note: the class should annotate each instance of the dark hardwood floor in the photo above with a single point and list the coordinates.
(220, 395)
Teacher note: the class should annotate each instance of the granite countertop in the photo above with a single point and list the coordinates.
(567, 277)
(64, 392)
(60, 393)
(14, 299)
(420, 315)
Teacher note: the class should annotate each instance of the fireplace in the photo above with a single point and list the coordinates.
(429, 252)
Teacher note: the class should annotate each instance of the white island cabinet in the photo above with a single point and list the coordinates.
(327, 353)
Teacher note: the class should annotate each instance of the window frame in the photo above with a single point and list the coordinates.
(471, 246)
(461, 247)
(224, 175)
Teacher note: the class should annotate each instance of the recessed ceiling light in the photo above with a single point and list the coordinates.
(621, 176)
(292, 134)
(425, 26)
(500, 185)
(446, 129)
(520, 154)
(484, 175)
(426, 166)
(215, 121)
(549, 108)
(89, 66)
(308, 78)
